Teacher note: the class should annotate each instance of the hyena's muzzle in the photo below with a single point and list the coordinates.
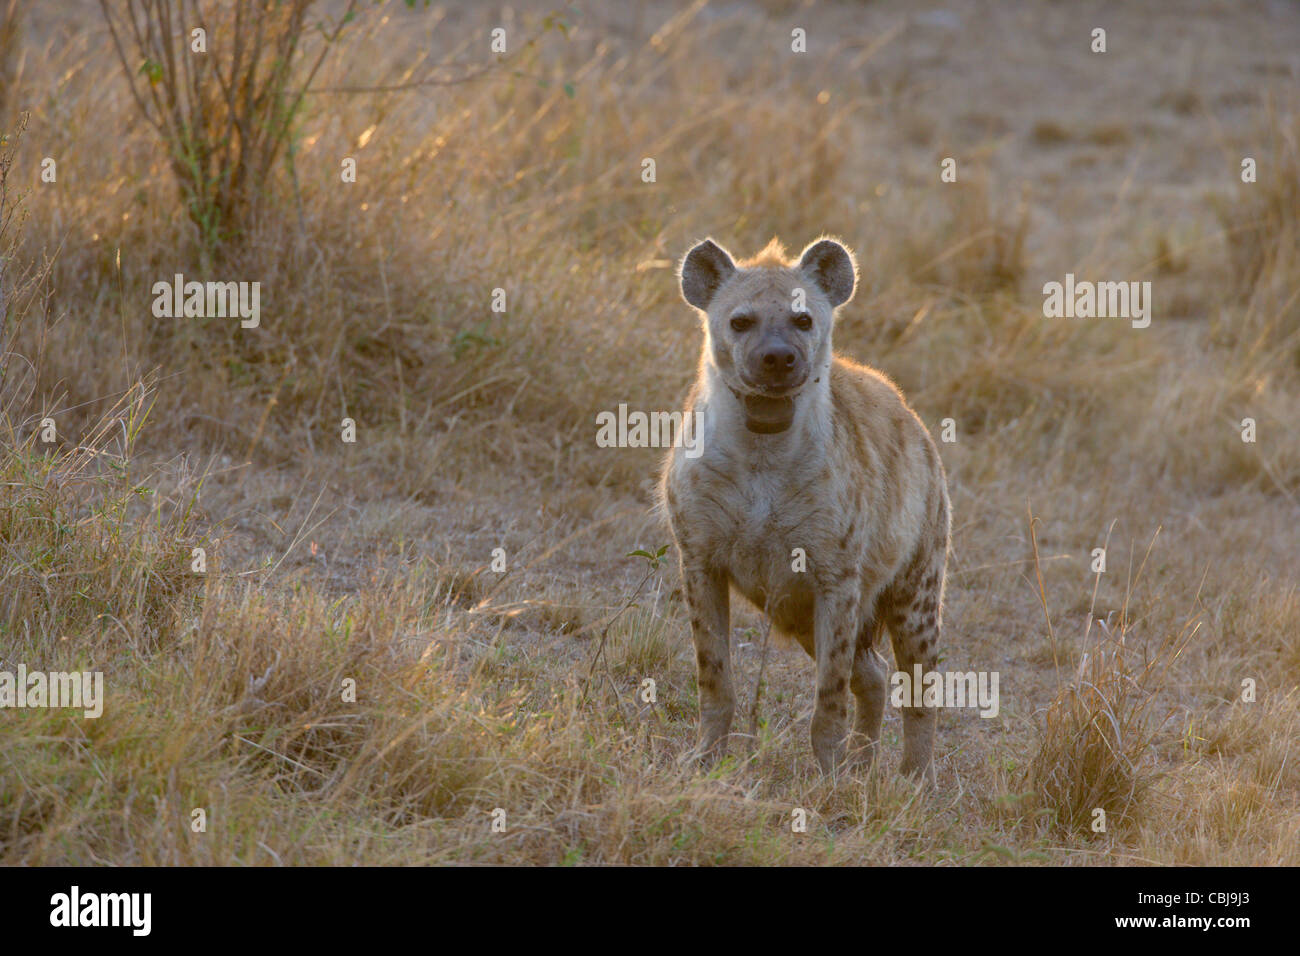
(775, 368)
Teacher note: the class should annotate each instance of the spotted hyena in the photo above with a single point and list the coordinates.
(818, 494)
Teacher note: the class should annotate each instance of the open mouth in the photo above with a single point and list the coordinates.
(760, 390)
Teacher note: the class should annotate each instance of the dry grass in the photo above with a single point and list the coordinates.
(1097, 743)
(371, 563)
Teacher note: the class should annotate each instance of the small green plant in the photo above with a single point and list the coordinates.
(654, 560)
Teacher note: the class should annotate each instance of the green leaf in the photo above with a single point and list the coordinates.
(568, 90)
(152, 70)
(466, 340)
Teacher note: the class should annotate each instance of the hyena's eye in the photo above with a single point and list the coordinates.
(803, 321)
(742, 323)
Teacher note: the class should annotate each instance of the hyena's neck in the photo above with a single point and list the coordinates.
(726, 431)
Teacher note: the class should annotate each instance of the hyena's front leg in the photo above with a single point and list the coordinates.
(709, 603)
(834, 637)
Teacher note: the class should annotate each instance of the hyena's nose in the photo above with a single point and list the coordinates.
(778, 360)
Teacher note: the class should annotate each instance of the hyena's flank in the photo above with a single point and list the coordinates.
(802, 449)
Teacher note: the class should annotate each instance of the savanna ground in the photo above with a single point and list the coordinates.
(371, 561)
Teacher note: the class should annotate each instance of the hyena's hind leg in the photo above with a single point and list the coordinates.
(913, 609)
(870, 684)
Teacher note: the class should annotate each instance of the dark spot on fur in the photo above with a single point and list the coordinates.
(900, 439)
(848, 535)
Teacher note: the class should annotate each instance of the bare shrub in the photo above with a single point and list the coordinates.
(227, 115)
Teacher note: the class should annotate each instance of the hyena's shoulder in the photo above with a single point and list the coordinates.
(869, 399)
(875, 424)
(863, 392)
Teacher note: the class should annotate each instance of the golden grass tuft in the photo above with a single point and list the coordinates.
(1097, 739)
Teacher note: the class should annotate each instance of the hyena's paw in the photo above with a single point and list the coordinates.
(863, 753)
(921, 774)
(918, 745)
(832, 755)
(706, 755)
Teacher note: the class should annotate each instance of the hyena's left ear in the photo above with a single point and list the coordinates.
(703, 271)
(833, 268)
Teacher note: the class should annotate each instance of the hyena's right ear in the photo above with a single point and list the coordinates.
(833, 268)
(703, 271)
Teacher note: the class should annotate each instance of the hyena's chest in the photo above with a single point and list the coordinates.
(762, 531)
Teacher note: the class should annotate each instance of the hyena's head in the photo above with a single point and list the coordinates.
(768, 320)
